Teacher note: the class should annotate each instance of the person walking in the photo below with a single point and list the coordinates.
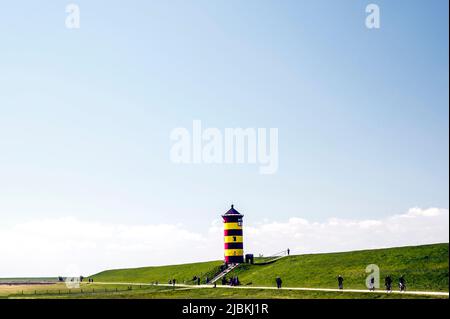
(372, 283)
(388, 283)
(402, 283)
(279, 282)
(340, 282)
(288, 251)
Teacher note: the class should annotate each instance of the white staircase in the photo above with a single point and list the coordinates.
(223, 273)
(273, 258)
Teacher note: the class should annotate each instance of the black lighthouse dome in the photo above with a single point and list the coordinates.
(233, 212)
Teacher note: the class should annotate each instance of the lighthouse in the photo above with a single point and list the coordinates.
(233, 243)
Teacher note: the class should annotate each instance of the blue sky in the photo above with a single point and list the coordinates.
(85, 115)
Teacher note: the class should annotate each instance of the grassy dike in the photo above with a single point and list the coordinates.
(162, 274)
(425, 268)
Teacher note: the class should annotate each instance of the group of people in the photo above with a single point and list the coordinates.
(172, 282)
(401, 283)
(234, 281)
(387, 283)
(198, 280)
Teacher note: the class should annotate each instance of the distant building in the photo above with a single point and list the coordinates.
(233, 240)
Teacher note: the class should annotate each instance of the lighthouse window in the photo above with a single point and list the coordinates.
(234, 238)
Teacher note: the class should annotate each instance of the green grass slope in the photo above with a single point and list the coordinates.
(424, 267)
(182, 273)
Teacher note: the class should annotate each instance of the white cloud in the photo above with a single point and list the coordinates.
(54, 246)
(415, 227)
(50, 247)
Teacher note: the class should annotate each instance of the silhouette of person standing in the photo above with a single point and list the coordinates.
(279, 282)
(340, 282)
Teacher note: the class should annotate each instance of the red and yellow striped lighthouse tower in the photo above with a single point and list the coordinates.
(233, 243)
